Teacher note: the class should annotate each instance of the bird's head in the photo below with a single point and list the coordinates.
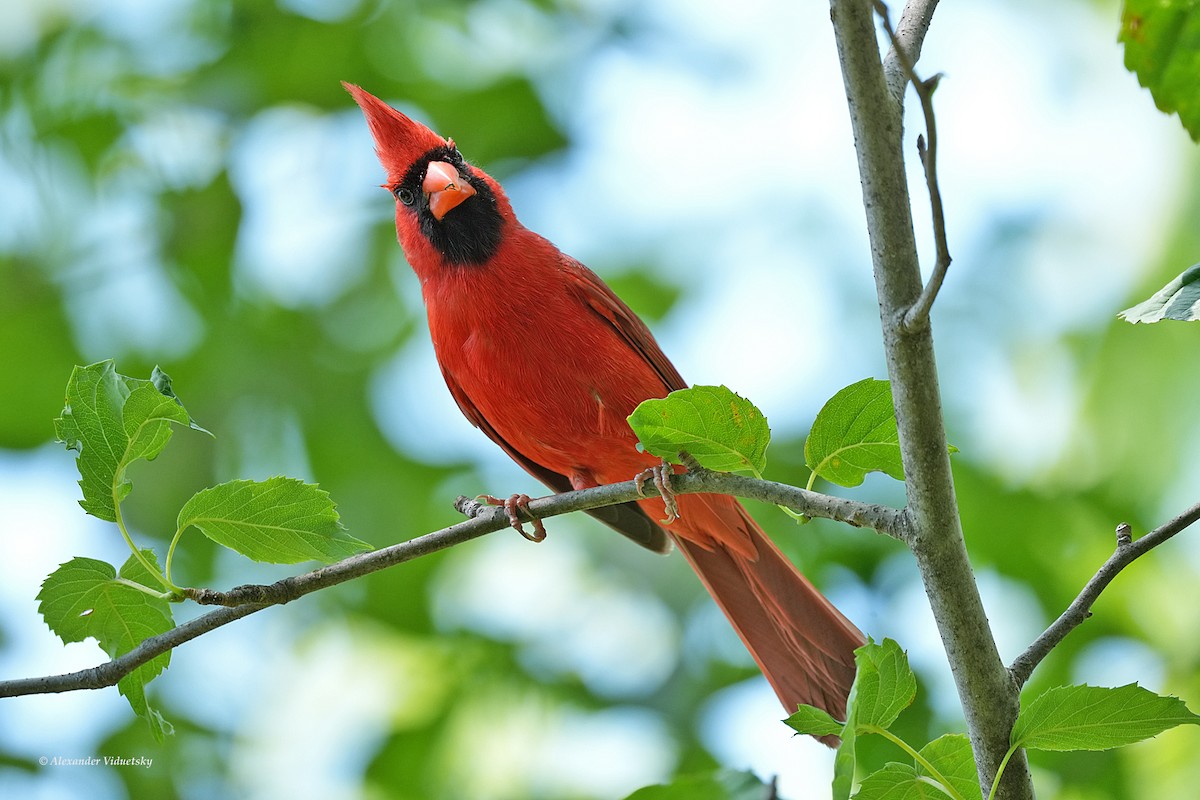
(441, 201)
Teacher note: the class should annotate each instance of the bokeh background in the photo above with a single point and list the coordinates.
(184, 183)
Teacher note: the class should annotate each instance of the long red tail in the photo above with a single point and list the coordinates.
(802, 643)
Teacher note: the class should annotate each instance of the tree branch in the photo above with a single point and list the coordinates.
(1081, 607)
(245, 600)
(988, 696)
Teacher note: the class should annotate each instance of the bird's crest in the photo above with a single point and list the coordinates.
(399, 140)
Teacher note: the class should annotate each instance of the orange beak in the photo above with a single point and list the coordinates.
(445, 188)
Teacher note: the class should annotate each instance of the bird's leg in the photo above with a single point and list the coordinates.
(518, 502)
(661, 474)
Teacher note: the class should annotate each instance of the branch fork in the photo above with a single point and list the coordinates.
(899, 62)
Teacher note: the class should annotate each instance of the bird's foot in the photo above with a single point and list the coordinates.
(514, 504)
(661, 475)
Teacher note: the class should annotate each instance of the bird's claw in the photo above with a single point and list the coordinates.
(513, 505)
(661, 475)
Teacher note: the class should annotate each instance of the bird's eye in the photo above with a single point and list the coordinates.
(405, 196)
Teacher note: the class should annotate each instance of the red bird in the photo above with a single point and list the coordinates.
(548, 362)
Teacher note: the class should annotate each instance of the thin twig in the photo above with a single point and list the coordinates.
(245, 600)
(1081, 607)
(917, 316)
(910, 35)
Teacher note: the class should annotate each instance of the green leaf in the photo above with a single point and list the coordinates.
(156, 618)
(113, 420)
(87, 598)
(896, 782)
(68, 597)
(723, 785)
(1097, 718)
(721, 430)
(1179, 299)
(279, 520)
(814, 721)
(951, 756)
(162, 382)
(1162, 46)
(845, 760)
(855, 433)
(884, 685)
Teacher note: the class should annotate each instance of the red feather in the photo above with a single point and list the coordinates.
(544, 358)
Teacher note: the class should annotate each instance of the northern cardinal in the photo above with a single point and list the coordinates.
(547, 361)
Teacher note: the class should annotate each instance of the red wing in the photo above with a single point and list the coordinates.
(557, 482)
(627, 519)
(601, 299)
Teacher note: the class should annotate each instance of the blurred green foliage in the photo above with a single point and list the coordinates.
(289, 385)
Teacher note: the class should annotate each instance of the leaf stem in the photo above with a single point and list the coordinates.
(146, 589)
(945, 785)
(1000, 771)
(171, 552)
(137, 553)
(800, 518)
